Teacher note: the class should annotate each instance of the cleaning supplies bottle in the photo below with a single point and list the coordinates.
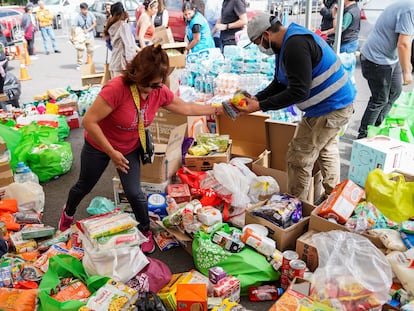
(23, 174)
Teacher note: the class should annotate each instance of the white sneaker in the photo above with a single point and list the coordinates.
(77, 67)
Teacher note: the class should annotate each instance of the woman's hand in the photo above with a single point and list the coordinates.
(120, 161)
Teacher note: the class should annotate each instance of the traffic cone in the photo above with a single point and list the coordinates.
(18, 53)
(89, 59)
(27, 59)
(24, 76)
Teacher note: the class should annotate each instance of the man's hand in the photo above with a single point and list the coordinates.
(221, 26)
(252, 105)
(407, 78)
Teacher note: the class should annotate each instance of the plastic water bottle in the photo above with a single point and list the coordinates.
(24, 174)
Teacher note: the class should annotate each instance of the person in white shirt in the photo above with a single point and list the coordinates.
(212, 12)
(122, 40)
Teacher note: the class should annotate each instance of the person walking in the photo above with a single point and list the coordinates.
(124, 106)
(233, 18)
(212, 13)
(118, 31)
(197, 30)
(145, 27)
(29, 27)
(309, 74)
(86, 21)
(45, 19)
(385, 61)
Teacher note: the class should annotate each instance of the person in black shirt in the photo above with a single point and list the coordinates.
(233, 18)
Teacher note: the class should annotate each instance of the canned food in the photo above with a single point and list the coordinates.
(297, 269)
(288, 256)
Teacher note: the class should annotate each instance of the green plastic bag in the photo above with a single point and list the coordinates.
(11, 137)
(49, 161)
(250, 267)
(391, 194)
(63, 266)
(394, 127)
(63, 128)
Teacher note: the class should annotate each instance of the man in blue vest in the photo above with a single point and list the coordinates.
(309, 74)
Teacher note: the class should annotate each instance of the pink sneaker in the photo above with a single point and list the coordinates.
(65, 221)
(148, 247)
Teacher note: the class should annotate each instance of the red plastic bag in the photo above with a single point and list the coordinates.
(192, 178)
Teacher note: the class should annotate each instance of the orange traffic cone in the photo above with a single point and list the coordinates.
(27, 59)
(89, 59)
(18, 53)
(24, 76)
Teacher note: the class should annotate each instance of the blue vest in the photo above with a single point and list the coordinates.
(206, 39)
(331, 87)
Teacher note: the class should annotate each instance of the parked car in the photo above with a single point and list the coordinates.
(294, 7)
(98, 9)
(176, 20)
(370, 11)
(11, 19)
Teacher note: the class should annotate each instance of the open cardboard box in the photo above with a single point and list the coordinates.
(262, 167)
(285, 238)
(163, 35)
(176, 53)
(89, 75)
(247, 133)
(167, 158)
(205, 163)
(321, 224)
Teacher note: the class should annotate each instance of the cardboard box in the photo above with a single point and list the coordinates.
(68, 103)
(321, 224)
(205, 163)
(184, 239)
(179, 192)
(342, 201)
(191, 297)
(285, 238)
(163, 35)
(378, 152)
(6, 174)
(120, 198)
(3, 146)
(167, 159)
(262, 167)
(176, 53)
(307, 250)
(89, 75)
(167, 293)
(247, 133)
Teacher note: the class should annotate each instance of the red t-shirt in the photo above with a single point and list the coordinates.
(121, 126)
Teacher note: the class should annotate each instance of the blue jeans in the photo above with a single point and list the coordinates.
(93, 164)
(349, 47)
(48, 32)
(385, 83)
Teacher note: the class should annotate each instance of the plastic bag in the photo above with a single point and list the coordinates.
(400, 263)
(100, 205)
(49, 161)
(29, 195)
(352, 274)
(192, 178)
(250, 267)
(394, 198)
(12, 299)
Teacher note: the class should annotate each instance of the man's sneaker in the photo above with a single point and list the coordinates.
(148, 247)
(57, 51)
(65, 221)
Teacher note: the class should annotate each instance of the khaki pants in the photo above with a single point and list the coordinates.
(89, 46)
(316, 140)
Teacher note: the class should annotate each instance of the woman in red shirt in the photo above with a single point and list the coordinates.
(111, 132)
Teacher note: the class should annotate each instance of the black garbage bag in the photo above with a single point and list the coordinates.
(13, 90)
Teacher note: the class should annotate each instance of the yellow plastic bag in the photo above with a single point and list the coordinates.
(391, 194)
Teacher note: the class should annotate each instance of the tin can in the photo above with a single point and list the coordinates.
(297, 269)
(3, 229)
(75, 239)
(288, 256)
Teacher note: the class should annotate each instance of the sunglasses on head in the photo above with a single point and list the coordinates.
(153, 86)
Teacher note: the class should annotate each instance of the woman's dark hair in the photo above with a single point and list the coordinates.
(149, 3)
(188, 5)
(117, 13)
(149, 64)
(161, 6)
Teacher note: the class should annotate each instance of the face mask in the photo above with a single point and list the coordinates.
(269, 51)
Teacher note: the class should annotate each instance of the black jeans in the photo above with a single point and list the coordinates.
(93, 164)
(385, 83)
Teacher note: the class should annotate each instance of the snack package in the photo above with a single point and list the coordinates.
(12, 299)
(34, 231)
(75, 290)
(131, 237)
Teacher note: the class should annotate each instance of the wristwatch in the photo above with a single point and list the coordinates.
(228, 27)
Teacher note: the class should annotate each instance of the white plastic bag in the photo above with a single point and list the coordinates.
(121, 264)
(352, 274)
(400, 263)
(29, 195)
